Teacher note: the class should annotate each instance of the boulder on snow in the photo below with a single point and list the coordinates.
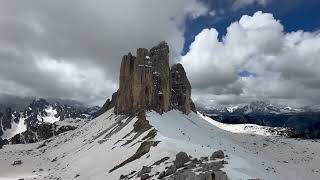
(181, 159)
(204, 159)
(144, 170)
(18, 162)
(145, 176)
(162, 175)
(217, 155)
(171, 169)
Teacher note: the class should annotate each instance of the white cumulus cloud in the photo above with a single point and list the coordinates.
(286, 64)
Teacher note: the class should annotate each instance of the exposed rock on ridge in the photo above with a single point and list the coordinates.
(108, 104)
(147, 83)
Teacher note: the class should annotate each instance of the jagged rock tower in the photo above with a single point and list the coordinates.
(147, 83)
(180, 90)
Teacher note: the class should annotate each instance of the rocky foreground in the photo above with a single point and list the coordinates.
(185, 168)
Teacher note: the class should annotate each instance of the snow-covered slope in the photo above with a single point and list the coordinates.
(91, 151)
(16, 128)
(247, 128)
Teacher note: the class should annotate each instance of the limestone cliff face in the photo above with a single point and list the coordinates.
(146, 83)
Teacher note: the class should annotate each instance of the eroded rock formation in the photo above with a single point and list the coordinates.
(147, 83)
(180, 90)
(108, 104)
(144, 81)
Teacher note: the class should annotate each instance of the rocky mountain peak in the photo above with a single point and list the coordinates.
(180, 90)
(38, 119)
(147, 83)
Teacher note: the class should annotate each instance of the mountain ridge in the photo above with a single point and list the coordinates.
(39, 113)
(304, 122)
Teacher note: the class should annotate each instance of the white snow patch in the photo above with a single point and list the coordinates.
(232, 108)
(50, 118)
(240, 128)
(16, 129)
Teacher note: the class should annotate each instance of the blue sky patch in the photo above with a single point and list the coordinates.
(246, 73)
(293, 14)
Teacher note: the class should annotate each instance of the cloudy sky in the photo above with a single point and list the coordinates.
(234, 51)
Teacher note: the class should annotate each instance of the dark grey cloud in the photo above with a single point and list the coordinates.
(72, 49)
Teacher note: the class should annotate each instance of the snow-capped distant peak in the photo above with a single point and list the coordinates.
(40, 111)
(289, 108)
(255, 107)
(51, 116)
(232, 108)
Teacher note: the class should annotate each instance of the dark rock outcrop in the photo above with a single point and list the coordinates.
(63, 129)
(108, 104)
(1, 132)
(7, 118)
(181, 159)
(40, 132)
(1, 143)
(171, 169)
(24, 138)
(217, 155)
(144, 170)
(181, 90)
(195, 169)
(146, 83)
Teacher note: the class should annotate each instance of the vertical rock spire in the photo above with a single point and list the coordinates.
(146, 83)
(181, 90)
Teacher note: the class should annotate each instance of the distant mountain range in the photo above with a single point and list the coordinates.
(305, 121)
(260, 107)
(33, 122)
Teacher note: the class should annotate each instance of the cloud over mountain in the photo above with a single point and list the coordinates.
(73, 49)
